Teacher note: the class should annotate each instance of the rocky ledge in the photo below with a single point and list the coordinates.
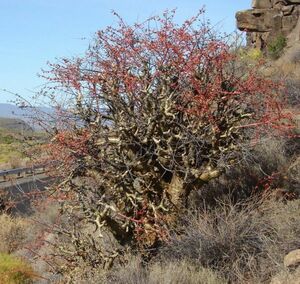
(267, 20)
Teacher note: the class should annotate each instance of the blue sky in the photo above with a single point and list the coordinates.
(36, 31)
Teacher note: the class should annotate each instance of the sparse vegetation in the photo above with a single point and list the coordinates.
(16, 139)
(177, 272)
(10, 148)
(15, 271)
(15, 125)
(12, 233)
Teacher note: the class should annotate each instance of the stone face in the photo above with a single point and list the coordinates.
(292, 260)
(267, 20)
(261, 20)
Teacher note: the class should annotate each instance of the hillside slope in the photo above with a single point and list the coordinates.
(14, 124)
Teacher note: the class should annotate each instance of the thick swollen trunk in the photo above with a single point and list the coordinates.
(179, 192)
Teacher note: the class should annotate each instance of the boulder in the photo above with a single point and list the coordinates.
(292, 260)
(287, 277)
(290, 275)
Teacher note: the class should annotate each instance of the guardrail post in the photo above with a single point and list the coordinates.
(22, 172)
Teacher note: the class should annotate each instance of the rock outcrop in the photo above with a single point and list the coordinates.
(292, 273)
(267, 20)
(292, 260)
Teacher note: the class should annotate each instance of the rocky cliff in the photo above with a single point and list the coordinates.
(269, 19)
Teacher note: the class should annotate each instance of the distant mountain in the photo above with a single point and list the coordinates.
(15, 112)
(10, 111)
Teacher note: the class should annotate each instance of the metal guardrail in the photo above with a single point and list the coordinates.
(19, 171)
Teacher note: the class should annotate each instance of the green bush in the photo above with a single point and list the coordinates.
(275, 48)
(252, 54)
(6, 139)
(14, 270)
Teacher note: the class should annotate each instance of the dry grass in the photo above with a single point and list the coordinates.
(12, 233)
(10, 147)
(178, 272)
(136, 272)
(9, 153)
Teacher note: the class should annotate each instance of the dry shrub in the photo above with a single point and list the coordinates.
(12, 233)
(40, 240)
(293, 176)
(271, 165)
(284, 218)
(292, 90)
(277, 159)
(243, 242)
(46, 214)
